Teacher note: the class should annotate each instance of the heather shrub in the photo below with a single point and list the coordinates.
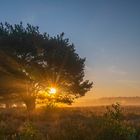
(113, 127)
(29, 132)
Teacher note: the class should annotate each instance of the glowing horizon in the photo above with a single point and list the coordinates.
(107, 33)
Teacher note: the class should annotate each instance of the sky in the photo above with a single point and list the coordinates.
(106, 32)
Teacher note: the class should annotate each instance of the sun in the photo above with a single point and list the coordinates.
(52, 90)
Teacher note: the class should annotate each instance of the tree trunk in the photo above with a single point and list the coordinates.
(7, 105)
(30, 104)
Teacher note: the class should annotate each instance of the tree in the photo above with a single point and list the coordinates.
(31, 62)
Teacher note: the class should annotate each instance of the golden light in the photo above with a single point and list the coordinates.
(52, 90)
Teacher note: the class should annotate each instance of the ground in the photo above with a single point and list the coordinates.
(87, 123)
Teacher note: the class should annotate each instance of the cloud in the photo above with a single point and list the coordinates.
(115, 70)
(129, 81)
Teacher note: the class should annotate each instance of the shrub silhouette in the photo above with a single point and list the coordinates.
(113, 126)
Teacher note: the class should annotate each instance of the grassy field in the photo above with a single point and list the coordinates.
(87, 123)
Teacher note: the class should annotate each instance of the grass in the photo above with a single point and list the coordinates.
(91, 123)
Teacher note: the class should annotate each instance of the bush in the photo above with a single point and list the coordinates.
(112, 126)
(29, 132)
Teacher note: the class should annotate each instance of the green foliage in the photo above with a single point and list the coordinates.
(113, 127)
(114, 112)
(114, 130)
(29, 132)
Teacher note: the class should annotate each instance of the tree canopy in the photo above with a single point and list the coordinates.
(31, 62)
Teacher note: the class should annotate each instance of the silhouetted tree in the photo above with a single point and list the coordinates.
(31, 62)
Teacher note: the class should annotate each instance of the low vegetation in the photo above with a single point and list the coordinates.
(69, 124)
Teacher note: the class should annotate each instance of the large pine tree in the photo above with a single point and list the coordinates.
(31, 62)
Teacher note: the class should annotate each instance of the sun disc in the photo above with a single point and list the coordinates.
(52, 90)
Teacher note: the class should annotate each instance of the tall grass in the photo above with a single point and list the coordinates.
(68, 124)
